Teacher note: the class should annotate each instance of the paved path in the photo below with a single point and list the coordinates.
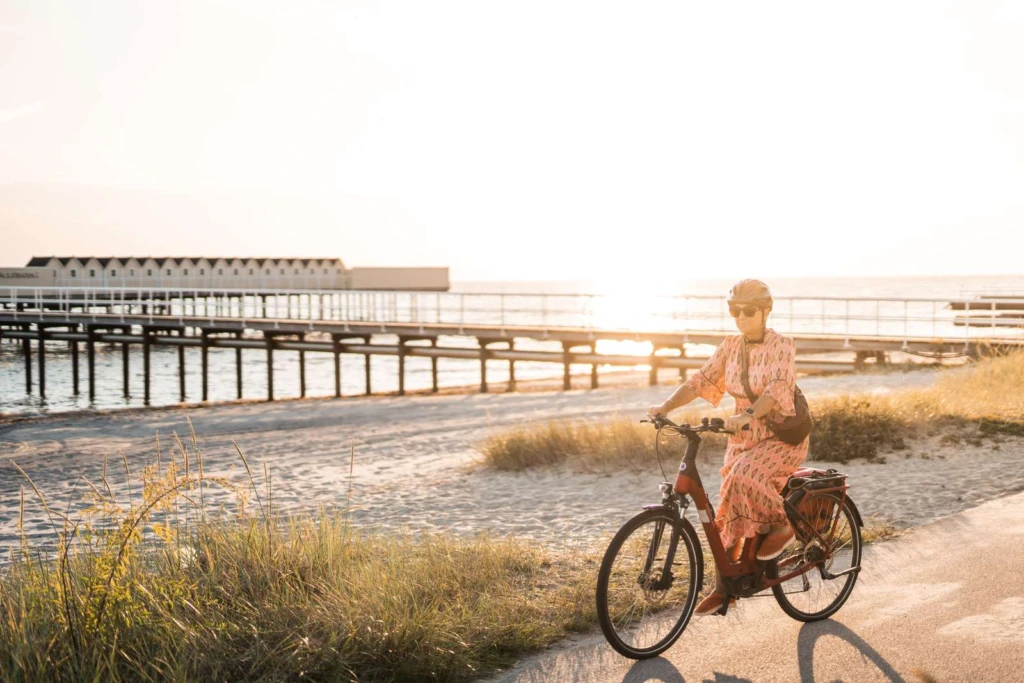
(944, 602)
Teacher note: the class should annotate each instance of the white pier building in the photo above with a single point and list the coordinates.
(206, 273)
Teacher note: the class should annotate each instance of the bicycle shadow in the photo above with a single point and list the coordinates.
(660, 670)
(811, 633)
(657, 670)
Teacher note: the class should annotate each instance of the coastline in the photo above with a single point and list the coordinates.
(614, 378)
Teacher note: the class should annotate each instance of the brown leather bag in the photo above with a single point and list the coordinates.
(794, 428)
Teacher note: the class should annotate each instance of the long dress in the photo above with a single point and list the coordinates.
(757, 464)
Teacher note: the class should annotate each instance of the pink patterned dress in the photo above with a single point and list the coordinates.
(756, 464)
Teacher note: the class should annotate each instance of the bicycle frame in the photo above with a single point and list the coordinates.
(747, 575)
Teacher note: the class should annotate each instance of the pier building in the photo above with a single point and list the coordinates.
(208, 273)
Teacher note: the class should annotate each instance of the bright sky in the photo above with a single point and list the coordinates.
(514, 141)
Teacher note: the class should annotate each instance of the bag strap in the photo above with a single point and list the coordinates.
(745, 372)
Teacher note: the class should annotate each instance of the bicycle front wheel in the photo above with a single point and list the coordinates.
(831, 557)
(644, 601)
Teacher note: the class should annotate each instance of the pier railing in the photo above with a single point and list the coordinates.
(994, 318)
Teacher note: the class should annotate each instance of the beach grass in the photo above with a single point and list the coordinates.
(609, 442)
(971, 403)
(178, 583)
(166, 588)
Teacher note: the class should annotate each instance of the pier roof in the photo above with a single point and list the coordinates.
(41, 261)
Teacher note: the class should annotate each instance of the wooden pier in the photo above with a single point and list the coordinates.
(152, 321)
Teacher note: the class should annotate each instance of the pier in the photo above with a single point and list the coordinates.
(832, 335)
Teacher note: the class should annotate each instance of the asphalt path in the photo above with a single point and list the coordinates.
(943, 602)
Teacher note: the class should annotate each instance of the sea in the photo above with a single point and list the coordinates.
(15, 401)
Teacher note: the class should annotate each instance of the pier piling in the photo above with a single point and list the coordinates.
(302, 369)
(366, 368)
(433, 367)
(181, 372)
(26, 345)
(124, 362)
(401, 366)
(146, 342)
(238, 367)
(336, 350)
(42, 363)
(484, 353)
(205, 349)
(90, 347)
(74, 363)
(512, 367)
(593, 369)
(270, 365)
(566, 362)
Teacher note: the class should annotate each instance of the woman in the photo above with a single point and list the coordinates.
(757, 465)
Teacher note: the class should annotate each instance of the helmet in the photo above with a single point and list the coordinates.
(753, 292)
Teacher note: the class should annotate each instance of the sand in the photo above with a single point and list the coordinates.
(416, 463)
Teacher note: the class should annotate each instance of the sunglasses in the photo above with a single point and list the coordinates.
(749, 311)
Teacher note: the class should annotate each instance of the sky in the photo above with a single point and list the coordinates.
(635, 142)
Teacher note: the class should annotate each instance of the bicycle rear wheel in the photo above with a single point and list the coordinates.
(643, 611)
(812, 596)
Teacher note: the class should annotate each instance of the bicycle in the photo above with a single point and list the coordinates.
(648, 577)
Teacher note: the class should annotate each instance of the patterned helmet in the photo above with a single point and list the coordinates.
(753, 292)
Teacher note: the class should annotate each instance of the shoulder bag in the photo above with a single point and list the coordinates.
(793, 429)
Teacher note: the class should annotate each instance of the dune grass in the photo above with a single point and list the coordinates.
(610, 442)
(972, 403)
(163, 588)
(197, 577)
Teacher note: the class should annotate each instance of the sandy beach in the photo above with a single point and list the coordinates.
(416, 460)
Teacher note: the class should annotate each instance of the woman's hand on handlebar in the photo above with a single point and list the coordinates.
(660, 409)
(735, 423)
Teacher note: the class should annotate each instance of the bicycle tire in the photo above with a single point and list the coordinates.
(782, 596)
(688, 550)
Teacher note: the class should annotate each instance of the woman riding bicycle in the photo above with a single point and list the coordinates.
(757, 464)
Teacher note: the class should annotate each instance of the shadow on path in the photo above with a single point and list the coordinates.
(812, 632)
(657, 670)
(660, 670)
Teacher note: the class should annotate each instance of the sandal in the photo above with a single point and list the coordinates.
(775, 542)
(712, 603)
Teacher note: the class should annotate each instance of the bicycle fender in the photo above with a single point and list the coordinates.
(856, 512)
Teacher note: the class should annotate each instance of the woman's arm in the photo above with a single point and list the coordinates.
(707, 383)
(679, 398)
(761, 406)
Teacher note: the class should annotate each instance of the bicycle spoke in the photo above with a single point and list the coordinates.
(810, 593)
(645, 607)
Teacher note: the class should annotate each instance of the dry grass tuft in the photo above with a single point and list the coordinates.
(876, 529)
(159, 588)
(977, 402)
(587, 444)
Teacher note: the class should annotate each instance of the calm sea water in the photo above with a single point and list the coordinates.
(320, 368)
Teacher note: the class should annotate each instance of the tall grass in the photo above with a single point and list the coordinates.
(162, 588)
(184, 583)
(978, 401)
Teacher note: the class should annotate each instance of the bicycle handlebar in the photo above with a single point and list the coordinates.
(715, 424)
